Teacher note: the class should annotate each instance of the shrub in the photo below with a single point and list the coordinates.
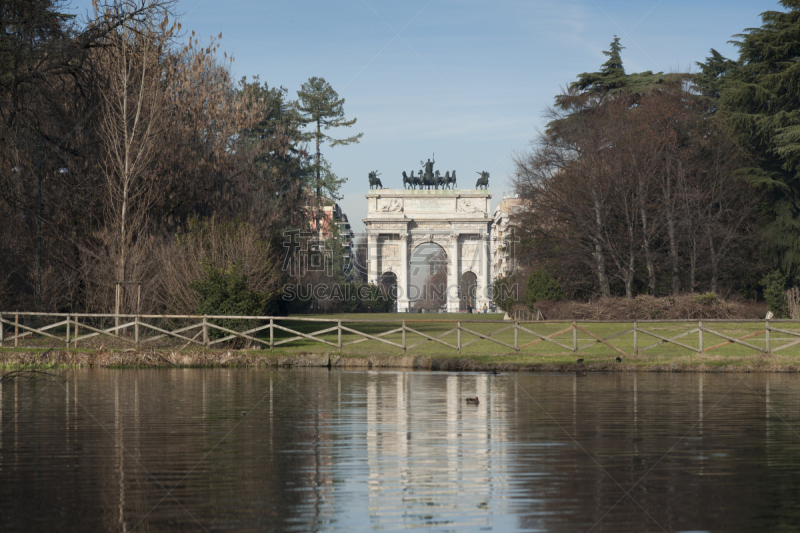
(774, 285)
(375, 299)
(352, 302)
(212, 243)
(708, 298)
(542, 286)
(508, 291)
(224, 292)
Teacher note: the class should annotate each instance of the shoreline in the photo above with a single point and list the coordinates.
(131, 359)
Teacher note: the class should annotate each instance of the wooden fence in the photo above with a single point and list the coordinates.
(141, 330)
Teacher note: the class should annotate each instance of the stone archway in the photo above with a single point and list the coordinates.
(458, 221)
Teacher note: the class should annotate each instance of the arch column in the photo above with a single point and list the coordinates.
(402, 278)
(453, 276)
(483, 278)
(372, 251)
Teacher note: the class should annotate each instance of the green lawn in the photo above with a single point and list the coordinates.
(651, 349)
(439, 325)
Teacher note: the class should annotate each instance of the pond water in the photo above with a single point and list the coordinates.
(319, 450)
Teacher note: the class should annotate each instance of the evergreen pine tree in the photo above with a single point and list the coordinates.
(321, 107)
(611, 76)
(762, 100)
(592, 88)
(714, 73)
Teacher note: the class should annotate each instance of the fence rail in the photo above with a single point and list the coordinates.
(141, 331)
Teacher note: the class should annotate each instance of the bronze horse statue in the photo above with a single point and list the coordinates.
(423, 180)
(438, 180)
(483, 181)
(451, 180)
(374, 181)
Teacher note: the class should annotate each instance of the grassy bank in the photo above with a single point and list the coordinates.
(565, 362)
(476, 354)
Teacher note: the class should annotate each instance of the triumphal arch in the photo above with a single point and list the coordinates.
(458, 220)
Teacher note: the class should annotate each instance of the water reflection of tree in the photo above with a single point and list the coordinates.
(697, 454)
(176, 431)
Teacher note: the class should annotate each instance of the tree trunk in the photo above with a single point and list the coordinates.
(648, 254)
(599, 256)
(319, 185)
(629, 272)
(629, 275)
(714, 264)
(602, 275)
(672, 235)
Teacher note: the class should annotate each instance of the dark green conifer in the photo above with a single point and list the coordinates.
(283, 166)
(611, 76)
(761, 98)
(714, 73)
(592, 88)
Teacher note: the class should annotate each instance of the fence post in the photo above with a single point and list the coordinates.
(635, 338)
(769, 352)
(700, 331)
(458, 336)
(75, 336)
(116, 310)
(1, 330)
(271, 336)
(16, 331)
(516, 335)
(574, 336)
(68, 326)
(404, 335)
(136, 330)
(339, 333)
(205, 331)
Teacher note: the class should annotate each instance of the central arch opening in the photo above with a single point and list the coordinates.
(466, 291)
(427, 285)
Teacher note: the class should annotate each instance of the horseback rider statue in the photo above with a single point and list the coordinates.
(374, 181)
(483, 181)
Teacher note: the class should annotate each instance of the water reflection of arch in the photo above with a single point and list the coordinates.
(424, 441)
(467, 288)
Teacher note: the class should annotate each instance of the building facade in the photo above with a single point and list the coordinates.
(503, 237)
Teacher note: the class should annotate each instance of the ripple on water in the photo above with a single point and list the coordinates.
(319, 450)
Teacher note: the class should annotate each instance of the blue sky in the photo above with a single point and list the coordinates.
(467, 80)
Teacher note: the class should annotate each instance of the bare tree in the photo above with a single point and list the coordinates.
(204, 166)
(727, 217)
(220, 244)
(632, 183)
(567, 181)
(130, 130)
